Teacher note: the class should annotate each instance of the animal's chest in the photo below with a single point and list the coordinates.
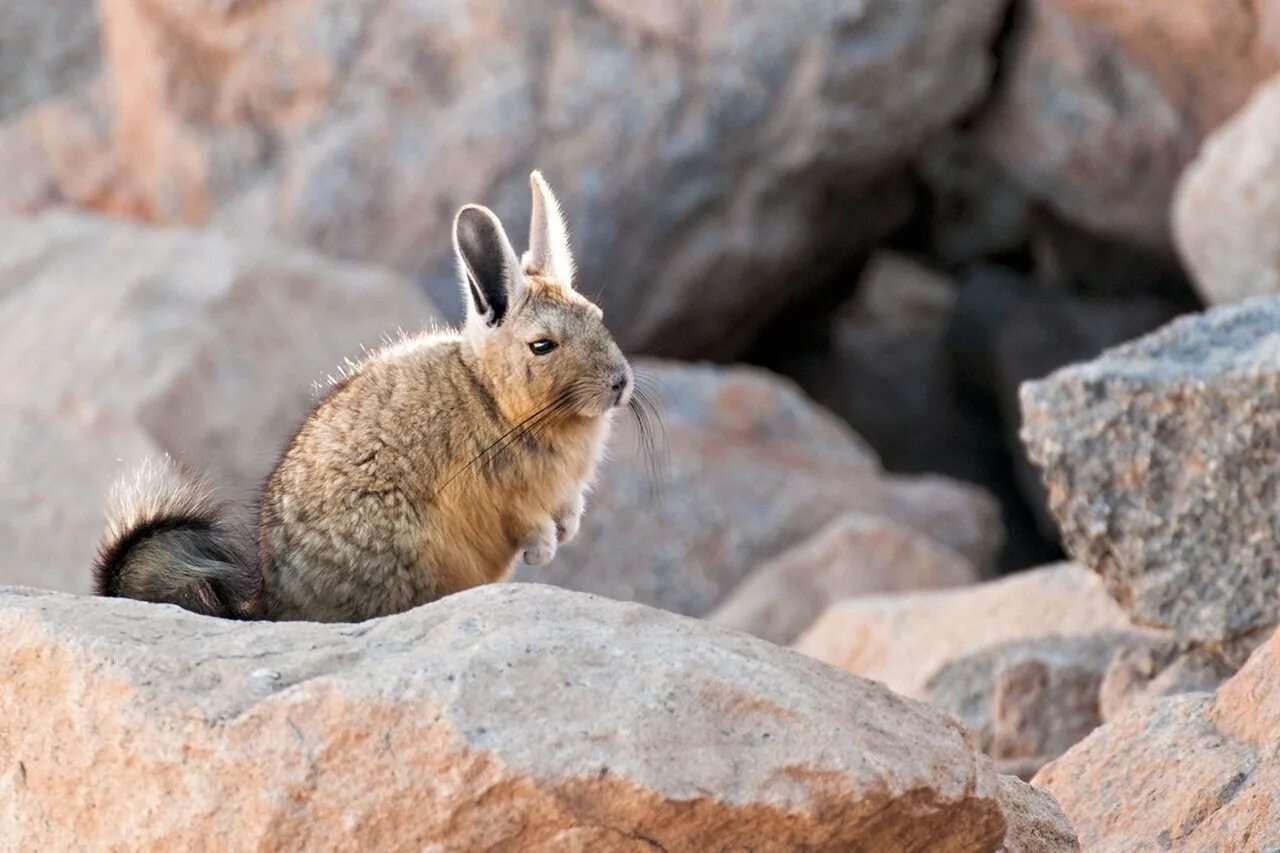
(545, 475)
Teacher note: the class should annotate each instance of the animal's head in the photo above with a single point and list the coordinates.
(537, 341)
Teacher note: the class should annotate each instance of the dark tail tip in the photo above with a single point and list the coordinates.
(169, 542)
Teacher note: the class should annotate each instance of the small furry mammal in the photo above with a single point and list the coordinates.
(402, 487)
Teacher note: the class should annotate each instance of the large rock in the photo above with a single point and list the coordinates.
(731, 145)
(905, 640)
(506, 717)
(750, 404)
(720, 503)
(1043, 331)
(1031, 664)
(1103, 102)
(1193, 772)
(1162, 462)
(853, 555)
(1228, 204)
(45, 48)
(747, 467)
(125, 342)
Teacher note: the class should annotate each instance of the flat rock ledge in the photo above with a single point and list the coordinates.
(513, 716)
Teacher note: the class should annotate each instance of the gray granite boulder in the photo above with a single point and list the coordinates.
(1162, 464)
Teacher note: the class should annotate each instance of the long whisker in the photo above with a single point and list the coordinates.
(534, 427)
(515, 432)
(651, 432)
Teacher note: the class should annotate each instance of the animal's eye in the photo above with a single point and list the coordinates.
(542, 346)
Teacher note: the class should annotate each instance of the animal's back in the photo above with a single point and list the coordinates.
(348, 515)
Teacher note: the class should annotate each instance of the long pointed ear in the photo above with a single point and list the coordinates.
(549, 252)
(487, 265)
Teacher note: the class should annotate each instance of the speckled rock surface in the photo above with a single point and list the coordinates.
(507, 717)
(1159, 666)
(1198, 771)
(1162, 463)
(853, 555)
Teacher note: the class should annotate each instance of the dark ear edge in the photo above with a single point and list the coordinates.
(484, 254)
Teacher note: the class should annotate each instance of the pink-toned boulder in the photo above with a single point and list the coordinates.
(1160, 666)
(509, 717)
(852, 556)
(903, 640)
(720, 505)
(1160, 460)
(751, 404)
(1229, 201)
(63, 149)
(1198, 771)
(705, 156)
(1032, 663)
(1103, 102)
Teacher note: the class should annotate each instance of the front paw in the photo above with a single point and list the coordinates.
(569, 519)
(540, 545)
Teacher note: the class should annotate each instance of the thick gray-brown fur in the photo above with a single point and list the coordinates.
(433, 465)
(170, 540)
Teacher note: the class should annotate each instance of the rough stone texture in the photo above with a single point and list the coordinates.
(1029, 701)
(495, 719)
(1043, 331)
(731, 144)
(1229, 201)
(45, 47)
(1104, 101)
(719, 505)
(1034, 822)
(1008, 328)
(903, 640)
(126, 341)
(1197, 771)
(1162, 462)
(853, 555)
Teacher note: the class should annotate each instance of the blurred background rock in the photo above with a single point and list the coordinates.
(907, 207)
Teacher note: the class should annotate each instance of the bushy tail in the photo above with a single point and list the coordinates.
(170, 542)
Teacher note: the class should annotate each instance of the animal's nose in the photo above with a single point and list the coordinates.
(620, 384)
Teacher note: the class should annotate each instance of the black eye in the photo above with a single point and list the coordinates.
(542, 346)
